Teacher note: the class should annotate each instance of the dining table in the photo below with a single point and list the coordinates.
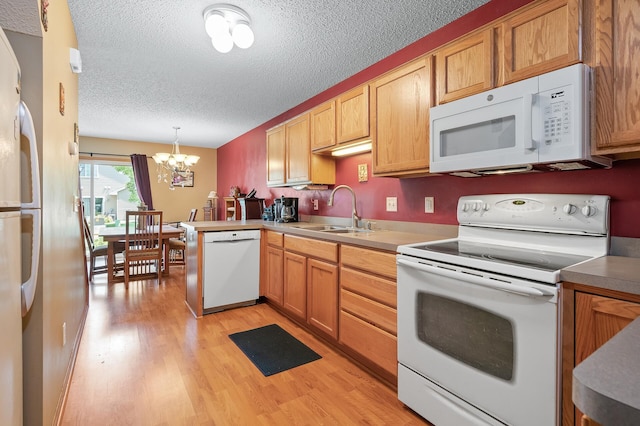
(116, 234)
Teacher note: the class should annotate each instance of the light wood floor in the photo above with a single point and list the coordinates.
(145, 360)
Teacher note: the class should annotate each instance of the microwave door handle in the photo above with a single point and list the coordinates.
(473, 279)
(529, 143)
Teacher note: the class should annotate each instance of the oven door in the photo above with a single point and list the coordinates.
(483, 341)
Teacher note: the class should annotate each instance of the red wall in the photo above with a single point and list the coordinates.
(242, 161)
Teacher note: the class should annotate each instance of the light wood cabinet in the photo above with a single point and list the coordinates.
(323, 126)
(311, 282)
(591, 317)
(295, 284)
(276, 156)
(322, 296)
(368, 316)
(400, 102)
(611, 40)
(465, 67)
(274, 261)
(539, 39)
(289, 158)
(352, 115)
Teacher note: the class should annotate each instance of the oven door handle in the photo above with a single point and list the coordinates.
(521, 290)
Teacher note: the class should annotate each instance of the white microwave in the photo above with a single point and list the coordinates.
(541, 123)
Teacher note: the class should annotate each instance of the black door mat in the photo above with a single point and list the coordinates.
(273, 350)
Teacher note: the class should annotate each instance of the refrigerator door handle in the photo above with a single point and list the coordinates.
(29, 286)
(28, 130)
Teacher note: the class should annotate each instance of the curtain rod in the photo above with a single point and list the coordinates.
(101, 154)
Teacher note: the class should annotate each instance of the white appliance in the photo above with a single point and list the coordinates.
(541, 123)
(17, 219)
(231, 270)
(478, 335)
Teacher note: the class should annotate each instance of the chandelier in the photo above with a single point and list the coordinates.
(174, 168)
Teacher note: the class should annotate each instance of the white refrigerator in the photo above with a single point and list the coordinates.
(20, 222)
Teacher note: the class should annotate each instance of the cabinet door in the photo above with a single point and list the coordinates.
(295, 284)
(276, 156)
(465, 67)
(541, 39)
(322, 298)
(616, 63)
(598, 319)
(323, 126)
(275, 275)
(352, 114)
(298, 150)
(400, 103)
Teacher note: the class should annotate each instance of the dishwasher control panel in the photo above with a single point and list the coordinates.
(218, 236)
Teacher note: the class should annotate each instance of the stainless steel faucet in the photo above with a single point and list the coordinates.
(354, 214)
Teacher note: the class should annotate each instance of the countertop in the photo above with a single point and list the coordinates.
(606, 385)
(608, 272)
(382, 239)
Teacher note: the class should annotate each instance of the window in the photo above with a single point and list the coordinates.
(108, 191)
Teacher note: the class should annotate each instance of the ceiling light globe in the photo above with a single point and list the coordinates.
(215, 23)
(242, 35)
(222, 42)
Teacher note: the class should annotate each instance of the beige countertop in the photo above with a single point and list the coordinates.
(382, 239)
(609, 272)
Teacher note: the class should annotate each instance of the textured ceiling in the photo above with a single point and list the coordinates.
(148, 65)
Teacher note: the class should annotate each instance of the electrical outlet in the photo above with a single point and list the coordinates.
(428, 205)
(64, 333)
(315, 204)
(363, 174)
(392, 204)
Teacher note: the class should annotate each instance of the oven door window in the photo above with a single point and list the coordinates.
(474, 336)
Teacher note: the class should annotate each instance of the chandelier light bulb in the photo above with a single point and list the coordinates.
(215, 23)
(242, 35)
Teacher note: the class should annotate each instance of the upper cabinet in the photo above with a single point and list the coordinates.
(323, 126)
(465, 67)
(400, 102)
(289, 158)
(352, 115)
(275, 156)
(540, 39)
(612, 40)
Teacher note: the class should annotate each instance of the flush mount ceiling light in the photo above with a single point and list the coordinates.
(228, 25)
(169, 166)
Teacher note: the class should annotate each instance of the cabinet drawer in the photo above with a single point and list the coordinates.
(370, 311)
(370, 260)
(275, 238)
(313, 248)
(376, 288)
(371, 342)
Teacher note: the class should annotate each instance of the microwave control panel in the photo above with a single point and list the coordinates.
(556, 111)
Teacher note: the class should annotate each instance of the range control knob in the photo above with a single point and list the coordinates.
(464, 207)
(485, 207)
(589, 211)
(569, 209)
(476, 206)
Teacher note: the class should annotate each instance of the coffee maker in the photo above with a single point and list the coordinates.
(286, 209)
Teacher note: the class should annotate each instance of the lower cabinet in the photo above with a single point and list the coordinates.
(311, 283)
(273, 258)
(368, 316)
(597, 318)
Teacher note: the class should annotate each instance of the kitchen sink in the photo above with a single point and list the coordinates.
(333, 229)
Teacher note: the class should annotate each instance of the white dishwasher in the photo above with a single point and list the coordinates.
(231, 270)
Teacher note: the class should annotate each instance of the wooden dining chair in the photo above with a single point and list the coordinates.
(96, 252)
(143, 245)
(177, 246)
